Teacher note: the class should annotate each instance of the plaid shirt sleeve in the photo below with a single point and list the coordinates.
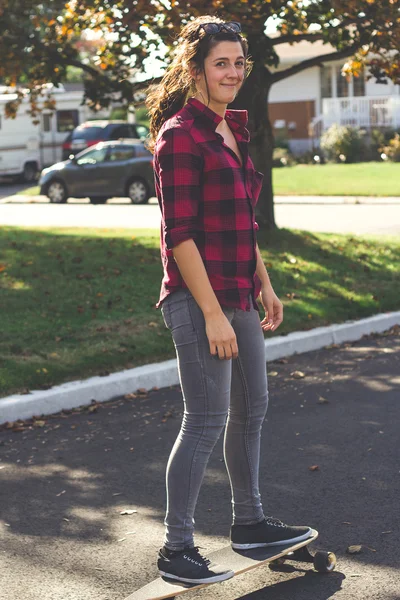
(180, 166)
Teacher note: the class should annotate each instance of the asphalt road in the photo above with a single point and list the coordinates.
(9, 186)
(377, 217)
(65, 481)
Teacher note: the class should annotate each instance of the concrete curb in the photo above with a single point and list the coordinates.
(81, 393)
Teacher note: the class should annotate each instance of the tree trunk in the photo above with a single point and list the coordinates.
(253, 97)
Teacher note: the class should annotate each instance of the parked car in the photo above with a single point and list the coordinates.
(123, 168)
(92, 132)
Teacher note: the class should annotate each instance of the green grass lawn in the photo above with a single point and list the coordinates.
(76, 302)
(360, 179)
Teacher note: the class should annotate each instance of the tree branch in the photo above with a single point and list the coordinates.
(299, 37)
(312, 62)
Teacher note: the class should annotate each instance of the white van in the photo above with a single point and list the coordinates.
(25, 148)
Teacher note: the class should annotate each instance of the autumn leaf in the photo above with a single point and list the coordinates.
(356, 549)
(297, 374)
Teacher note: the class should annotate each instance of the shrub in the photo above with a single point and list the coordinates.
(392, 151)
(282, 140)
(311, 157)
(282, 158)
(343, 144)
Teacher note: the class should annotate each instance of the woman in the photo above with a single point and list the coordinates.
(207, 190)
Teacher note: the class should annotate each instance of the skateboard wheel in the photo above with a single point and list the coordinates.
(324, 562)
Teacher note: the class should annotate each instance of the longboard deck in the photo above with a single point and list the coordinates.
(237, 560)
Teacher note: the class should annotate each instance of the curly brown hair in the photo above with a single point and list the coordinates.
(166, 98)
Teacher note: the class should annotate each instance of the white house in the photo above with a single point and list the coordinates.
(307, 103)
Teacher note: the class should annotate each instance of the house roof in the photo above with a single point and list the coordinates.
(294, 53)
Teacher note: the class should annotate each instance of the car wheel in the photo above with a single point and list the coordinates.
(138, 191)
(30, 172)
(57, 192)
(98, 200)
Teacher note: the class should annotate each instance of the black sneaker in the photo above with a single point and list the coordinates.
(190, 566)
(270, 532)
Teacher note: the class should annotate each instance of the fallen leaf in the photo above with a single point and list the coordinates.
(297, 374)
(354, 549)
(314, 468)
(273, 373)
(322, 400)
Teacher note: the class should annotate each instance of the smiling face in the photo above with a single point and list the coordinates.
(224, 68)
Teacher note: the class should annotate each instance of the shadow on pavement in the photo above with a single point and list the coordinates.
(69, 476)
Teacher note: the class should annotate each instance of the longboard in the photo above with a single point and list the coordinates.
(241, 561)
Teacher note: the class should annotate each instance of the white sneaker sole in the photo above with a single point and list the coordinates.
(305, 536)
(214, 579)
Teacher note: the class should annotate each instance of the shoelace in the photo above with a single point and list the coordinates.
(274, 522)
(195, 550)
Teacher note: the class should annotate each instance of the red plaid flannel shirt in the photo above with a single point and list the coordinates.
(205, 195)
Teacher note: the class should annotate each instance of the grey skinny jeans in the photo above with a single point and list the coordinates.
(216, 393)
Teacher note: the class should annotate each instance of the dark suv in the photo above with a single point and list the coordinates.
(92, 132)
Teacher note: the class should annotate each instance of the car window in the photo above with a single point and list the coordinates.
(142, 131)
(121, 153)
(88, 133)
(93, 157)
(123, 131)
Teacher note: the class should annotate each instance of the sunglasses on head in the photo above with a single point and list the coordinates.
(213, 28)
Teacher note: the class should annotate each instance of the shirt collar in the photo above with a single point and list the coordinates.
(237, 119)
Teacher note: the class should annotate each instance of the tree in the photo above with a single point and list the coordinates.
(40, 41)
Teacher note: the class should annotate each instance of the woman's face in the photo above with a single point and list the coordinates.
(225, 70)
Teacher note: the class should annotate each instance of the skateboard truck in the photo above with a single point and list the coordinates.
(323, 562)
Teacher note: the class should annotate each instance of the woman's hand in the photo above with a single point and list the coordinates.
(273, 309)
(221, 337)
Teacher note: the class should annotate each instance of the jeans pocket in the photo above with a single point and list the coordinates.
(165, 315)
(176, 312)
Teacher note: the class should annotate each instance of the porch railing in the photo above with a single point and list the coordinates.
(362, 111)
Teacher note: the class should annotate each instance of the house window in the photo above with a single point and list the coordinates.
(67, 120)
(344, 88)
(359, 84)
(342, 85)
(326, 82)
